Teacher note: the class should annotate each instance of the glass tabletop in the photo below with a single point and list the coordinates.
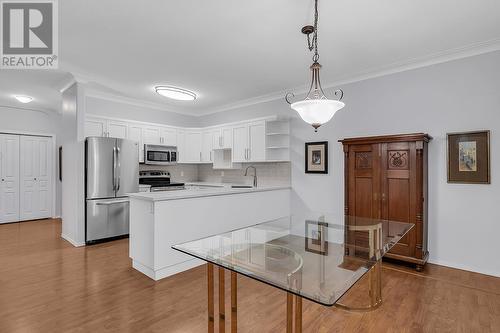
(313, 255)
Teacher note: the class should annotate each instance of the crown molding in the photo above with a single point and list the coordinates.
(396, 67)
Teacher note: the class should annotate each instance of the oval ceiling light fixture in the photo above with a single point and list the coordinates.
(23, 98)
(176, 93)
(316, 109)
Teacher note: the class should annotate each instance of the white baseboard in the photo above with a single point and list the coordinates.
(72, 241)
(166, 271)
(464, 267)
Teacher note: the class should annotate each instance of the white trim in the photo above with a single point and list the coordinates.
(268, 118)
(164, 272)
(72, 241)
(55, 158)
(396, 67)
(47, 112)
(94, 93)
(464, 267)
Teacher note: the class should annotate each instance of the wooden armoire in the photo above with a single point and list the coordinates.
(386, 178)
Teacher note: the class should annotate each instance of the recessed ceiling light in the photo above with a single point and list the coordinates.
(23, 99)
(175, 93)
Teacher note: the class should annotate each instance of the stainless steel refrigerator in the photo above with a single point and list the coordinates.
(112, 171)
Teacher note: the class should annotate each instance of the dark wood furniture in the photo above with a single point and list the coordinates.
(386, 178)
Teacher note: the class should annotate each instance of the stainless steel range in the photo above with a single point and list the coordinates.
(159, 181)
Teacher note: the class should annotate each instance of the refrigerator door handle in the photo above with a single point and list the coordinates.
(118, 168)
(114, 168)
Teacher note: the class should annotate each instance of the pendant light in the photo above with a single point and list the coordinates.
(316, 109)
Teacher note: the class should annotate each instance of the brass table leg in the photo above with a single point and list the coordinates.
(289, 313)
(298, 314)
(375, 290)
(234, 302)
(222, 303)
(293, 318)
(210, 279)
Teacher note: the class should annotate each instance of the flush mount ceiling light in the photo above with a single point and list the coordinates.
(316, 109)
(175, 93)
(23, 99)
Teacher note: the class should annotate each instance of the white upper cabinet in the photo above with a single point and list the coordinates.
(135, 134)
(257, 141)
(117, 129)
(95, 127)
(249, 141)
(168, 136)
(151, 135)
(240, 143)
(207, 147)
(193, 146)
(227, 137)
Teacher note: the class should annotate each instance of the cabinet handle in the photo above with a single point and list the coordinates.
(200, 156)
(211, 156)
(249, 154)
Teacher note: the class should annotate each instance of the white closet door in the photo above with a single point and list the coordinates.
(9, 176)
(35, 176)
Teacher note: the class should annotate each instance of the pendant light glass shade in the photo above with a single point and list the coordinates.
(317, 111)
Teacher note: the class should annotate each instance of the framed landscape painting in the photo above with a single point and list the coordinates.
(469, 157)
(317, 157)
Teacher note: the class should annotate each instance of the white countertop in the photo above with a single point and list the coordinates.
(208, 191)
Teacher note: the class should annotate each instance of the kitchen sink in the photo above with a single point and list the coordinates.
(241, 186)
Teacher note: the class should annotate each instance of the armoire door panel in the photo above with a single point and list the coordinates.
(364, 197)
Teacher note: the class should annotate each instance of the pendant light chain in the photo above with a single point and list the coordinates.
(315, 36)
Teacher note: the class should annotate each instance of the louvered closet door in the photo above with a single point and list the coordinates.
(36, 182)
(9, 178)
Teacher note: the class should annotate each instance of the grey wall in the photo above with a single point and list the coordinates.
(461, 95)
(124, 110)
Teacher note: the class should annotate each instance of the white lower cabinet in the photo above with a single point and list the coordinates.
(9, 178)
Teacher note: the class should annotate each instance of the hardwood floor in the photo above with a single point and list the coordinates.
(47, 285)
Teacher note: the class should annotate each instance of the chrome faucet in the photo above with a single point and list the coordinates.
(254, 174)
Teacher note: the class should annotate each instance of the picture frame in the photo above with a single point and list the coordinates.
(316, 240)
(316, 157)
(468, 157)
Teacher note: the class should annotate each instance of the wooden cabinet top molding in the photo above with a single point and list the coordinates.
(387, 138)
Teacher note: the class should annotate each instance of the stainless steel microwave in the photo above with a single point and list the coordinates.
(160, 154)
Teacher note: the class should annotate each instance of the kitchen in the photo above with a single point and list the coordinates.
(181, 167)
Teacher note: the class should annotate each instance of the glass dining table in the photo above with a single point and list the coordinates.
(312, 256)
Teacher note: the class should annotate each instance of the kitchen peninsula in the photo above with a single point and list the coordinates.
(159, 220)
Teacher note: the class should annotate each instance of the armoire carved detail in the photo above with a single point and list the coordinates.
(386, 178)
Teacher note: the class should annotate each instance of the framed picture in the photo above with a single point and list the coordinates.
(316, 237)
(317, 157)
(469, 157)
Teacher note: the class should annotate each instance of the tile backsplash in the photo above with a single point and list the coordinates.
(179, 173)
(268, 174)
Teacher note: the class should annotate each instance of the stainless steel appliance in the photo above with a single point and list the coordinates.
(111, 172)
(159, 181)
(160, 155)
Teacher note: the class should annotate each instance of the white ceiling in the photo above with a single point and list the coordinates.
(230, 52)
